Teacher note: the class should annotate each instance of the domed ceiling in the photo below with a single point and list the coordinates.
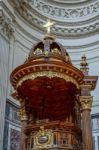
(71, 17)
(70, 1)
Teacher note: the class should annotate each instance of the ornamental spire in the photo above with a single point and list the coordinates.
(84, 65)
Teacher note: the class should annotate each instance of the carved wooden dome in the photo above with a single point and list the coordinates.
(47, 81)
(47, 58)
(49, 48)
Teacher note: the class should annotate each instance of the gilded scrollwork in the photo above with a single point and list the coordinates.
(56, 51)
(86, 102)
(38, 51)
(43, 138)
(49, 74)
(22, 114)
(42, 131)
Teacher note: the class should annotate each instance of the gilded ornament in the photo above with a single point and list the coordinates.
(38, 51)
(43, 138)
(22, 114)
(86, 102)
(46, 53)
(49, 74)
(42, 131)
(56, 51)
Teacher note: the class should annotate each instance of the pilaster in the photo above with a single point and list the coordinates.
(6, 34)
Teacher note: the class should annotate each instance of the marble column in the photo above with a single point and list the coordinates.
(86, 104)
(23, 117)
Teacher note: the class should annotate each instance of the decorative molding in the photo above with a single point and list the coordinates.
(49, 74)
(6, 26)
(70, 2)
(23, 9)
(36, 22)
(36, 27)
(63, 12)
(22, 114)
(67, 47)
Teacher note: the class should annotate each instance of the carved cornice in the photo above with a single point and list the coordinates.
(6, 26)
(86, 102)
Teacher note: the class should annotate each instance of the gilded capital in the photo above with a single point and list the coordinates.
(22, 114)
(86, 102)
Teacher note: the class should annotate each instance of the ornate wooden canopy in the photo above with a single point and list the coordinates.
(48, 81)
(48, 87)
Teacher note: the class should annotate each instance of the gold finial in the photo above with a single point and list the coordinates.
(84, 61)
(48, 25)
(84, 65)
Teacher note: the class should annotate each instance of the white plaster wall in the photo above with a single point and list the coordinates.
(20, 46)
(13, 52)
(20, 54)
(4, 55)
(94, 70)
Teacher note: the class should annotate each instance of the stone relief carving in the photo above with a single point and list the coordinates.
(6, 26)
(61, 12)
(23, 8)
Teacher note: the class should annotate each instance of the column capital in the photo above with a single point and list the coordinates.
(86, 102)
(22, 114)
(86, 85)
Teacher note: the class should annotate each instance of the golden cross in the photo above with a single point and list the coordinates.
(48, 25)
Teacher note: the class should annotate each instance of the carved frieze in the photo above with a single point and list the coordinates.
(6, 26)
(63, 12)
(30, 12)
